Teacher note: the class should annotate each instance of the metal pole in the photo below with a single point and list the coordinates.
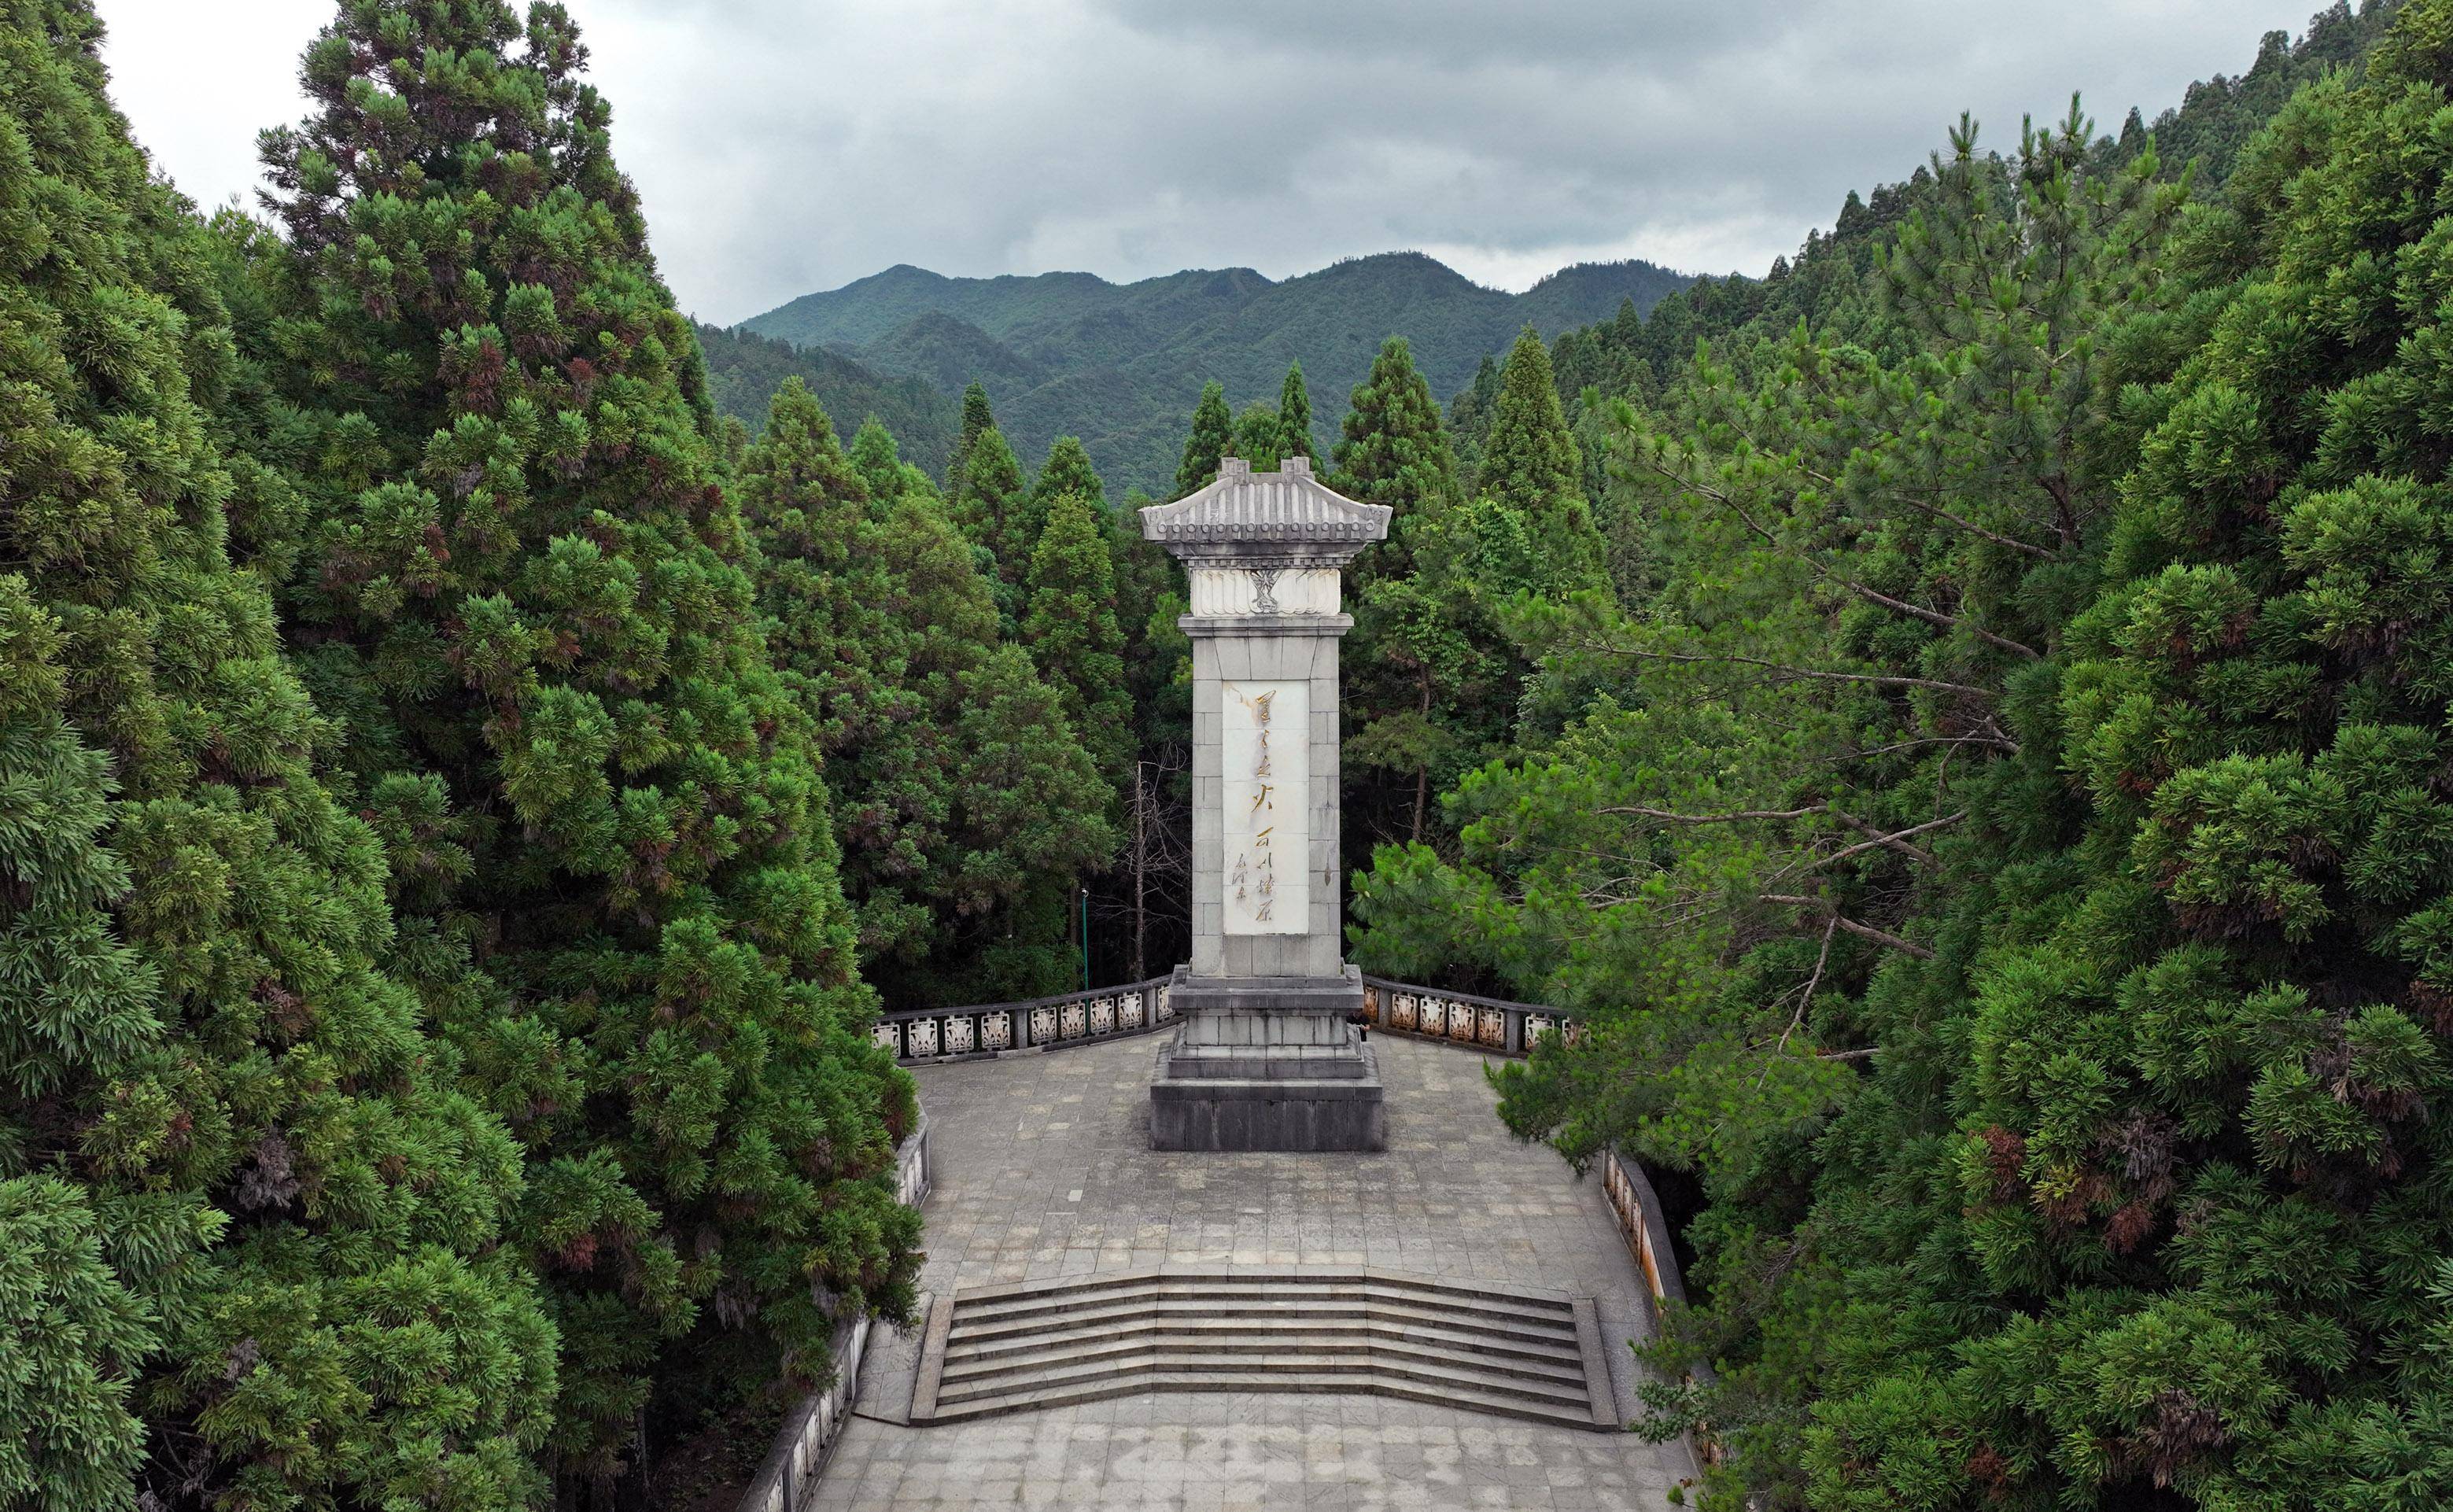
(1086, 939)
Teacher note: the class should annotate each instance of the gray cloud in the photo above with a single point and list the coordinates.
(785, 146)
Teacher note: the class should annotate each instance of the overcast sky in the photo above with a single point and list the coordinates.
(787, 145)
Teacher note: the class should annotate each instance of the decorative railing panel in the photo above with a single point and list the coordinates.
(1490, 1024)
(918, 1036)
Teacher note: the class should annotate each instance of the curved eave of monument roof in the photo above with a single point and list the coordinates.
(1289, 507)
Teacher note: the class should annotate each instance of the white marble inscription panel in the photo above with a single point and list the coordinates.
(1265, 756)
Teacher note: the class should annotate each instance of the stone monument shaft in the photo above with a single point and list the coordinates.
(1265, 1058)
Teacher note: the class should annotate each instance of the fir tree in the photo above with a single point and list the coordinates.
(530, 591)
(1073, 634)
(1212, 437)
(1294, 415)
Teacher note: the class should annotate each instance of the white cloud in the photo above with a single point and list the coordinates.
(784, 147)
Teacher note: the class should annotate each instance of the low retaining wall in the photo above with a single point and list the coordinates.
(785, 1480)
(1647, 1231)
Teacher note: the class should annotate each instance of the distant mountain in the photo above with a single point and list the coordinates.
(744, 370)
(1119, 364)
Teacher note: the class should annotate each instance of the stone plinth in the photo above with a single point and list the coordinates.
(1265, 1058)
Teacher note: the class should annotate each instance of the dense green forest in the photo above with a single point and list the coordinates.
(744, 369)
(1997, 812)
(1962, 718)
(1118, 365)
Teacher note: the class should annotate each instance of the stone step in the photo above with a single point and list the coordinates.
(1014, 1346)
(1265, 1332)
(1128, 1348)
(1272, 1282)
(1292, 1316)
(1306, 1366)
(1132, 1384)
(1490, 1311)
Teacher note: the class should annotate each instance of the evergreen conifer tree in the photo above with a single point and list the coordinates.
(196, 1045)
(1067, 470)
(879, 462)
(1531, 530)
(1073, 634)
(993, 506)
(886, 630)
(1294, 415)
(529, 590)
(977, 417)
(1257, 437)
(1393, 451)
(1212, 437)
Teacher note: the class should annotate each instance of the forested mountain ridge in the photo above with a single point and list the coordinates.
(1119, 364)
(744, 370)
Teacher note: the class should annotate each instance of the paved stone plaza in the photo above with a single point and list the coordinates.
(1043, 1169)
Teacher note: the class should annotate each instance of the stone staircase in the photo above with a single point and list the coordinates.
(1516, 1351)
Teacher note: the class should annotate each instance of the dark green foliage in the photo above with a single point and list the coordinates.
(1257, 437)
(744, 369)
(964, 803)
(1212, 437)
(2000, 837)
(977, 417)
(1067, 470)
(72, 1336)
(1294, 415)
(530, 595)
(996, 513)
(1071, 629)
(200, 1049)
(1070, 354)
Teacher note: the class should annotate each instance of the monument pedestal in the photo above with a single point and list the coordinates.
(1266, 1063)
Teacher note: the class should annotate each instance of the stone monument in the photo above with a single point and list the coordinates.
(1265, 1058)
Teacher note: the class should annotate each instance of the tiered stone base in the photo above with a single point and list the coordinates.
(1267, 1064)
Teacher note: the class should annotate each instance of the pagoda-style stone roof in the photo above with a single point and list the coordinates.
(1288, 511)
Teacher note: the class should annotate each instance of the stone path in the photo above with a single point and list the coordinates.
(1042, 1170)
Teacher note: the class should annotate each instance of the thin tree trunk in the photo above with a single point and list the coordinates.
(1141, 865)
(1422, 773)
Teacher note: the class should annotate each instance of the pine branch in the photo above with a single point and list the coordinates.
(1853, 926)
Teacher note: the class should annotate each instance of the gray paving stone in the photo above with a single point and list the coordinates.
(1044, 1171)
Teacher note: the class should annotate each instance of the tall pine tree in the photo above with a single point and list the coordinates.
(977, 417)
(529, 591)
(993, 506)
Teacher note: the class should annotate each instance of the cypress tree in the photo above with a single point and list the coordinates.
(1212, 435)
(977, 418)
(1294, 415)
(886, 630)
(1073, 634)
(531, 592)
(197, 1046)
